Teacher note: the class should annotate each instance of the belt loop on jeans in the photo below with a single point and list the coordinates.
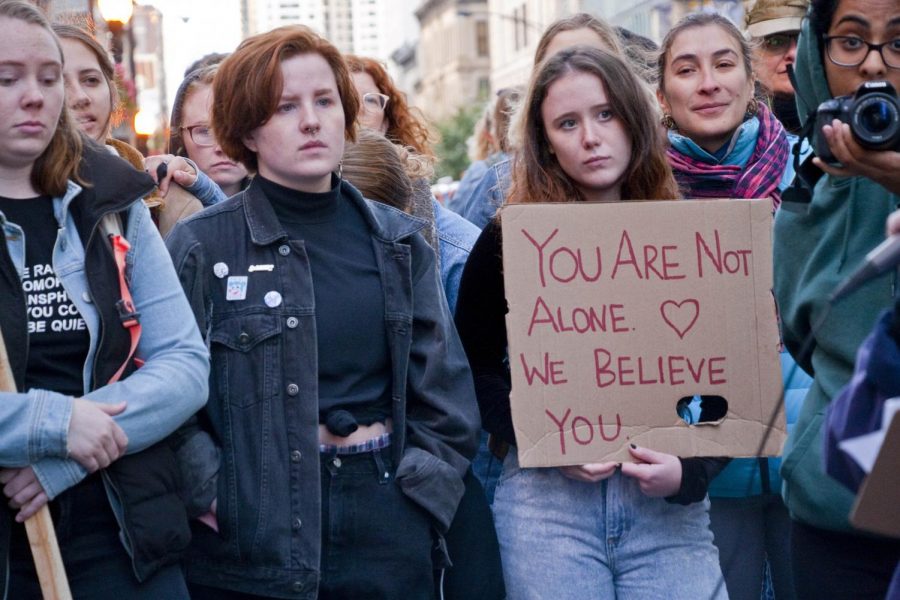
(383, 474)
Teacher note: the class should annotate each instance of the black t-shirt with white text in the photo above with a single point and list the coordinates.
(58, 339)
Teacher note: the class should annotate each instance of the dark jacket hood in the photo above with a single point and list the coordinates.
(812, 86)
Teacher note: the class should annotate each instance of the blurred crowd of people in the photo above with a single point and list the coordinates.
(176, 324)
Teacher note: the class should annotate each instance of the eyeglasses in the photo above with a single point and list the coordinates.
(374, 102)
(779, 43)
(202, 135)
(851, 51)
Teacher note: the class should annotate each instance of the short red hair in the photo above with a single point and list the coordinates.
(248, 86)
(405, 125)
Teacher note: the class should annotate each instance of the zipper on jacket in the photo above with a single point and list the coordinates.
(114, 495)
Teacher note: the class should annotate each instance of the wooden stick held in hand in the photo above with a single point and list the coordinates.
(41, 535)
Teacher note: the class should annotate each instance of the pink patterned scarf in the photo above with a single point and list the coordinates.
(759, 178)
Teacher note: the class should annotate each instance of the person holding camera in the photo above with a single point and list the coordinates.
(845, 45)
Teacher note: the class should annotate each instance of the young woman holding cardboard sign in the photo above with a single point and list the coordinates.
(603, 530)
(70, 314)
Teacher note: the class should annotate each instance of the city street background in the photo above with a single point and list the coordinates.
(447, 56)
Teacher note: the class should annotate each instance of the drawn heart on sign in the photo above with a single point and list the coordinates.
(680, 316)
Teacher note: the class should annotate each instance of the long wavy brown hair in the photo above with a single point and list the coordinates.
(537, 175)
(406, 125)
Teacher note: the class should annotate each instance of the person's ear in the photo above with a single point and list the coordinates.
(250, 142)
(661, 98)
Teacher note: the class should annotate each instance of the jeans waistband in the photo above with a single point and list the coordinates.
(376, 443)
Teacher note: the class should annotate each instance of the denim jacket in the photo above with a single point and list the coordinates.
(263, 404)
(166, 391)
(456, 236)
(489, 193)
(143, 487)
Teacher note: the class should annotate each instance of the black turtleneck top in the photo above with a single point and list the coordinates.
(351, 337)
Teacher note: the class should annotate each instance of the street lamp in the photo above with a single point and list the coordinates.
(116, 13)
(144, 128)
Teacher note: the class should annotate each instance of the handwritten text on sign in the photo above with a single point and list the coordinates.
(619, 310)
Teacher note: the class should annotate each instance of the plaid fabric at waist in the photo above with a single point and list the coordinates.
(376, 443)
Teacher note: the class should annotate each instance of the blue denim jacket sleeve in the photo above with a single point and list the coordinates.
(173, 382)
(205, 189)
(33, 426)
(456, 236)
(488, 195)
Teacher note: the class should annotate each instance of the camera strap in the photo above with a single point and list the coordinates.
(806, 174)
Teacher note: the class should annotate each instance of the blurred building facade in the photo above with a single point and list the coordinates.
(353, 26)
(468, 49)
(454, 55)
(150, 71)
(516, 26)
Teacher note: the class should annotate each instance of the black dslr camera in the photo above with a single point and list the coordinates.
(873, 113)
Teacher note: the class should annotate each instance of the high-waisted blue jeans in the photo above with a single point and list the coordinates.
(564, 539)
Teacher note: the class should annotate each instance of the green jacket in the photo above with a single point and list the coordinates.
(816, 247)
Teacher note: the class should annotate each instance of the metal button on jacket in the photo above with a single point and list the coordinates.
(293, 389)
(292, 322)
(284, 250)
(296, 456)
(244, 337)
(297, 523)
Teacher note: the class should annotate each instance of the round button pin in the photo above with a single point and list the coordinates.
(272, 299)
(220, 269)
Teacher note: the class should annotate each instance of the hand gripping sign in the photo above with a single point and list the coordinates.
(621, 313)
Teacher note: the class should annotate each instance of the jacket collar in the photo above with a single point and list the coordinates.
(387, 223)
(114, 184)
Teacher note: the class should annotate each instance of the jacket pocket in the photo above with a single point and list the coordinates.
(245, 357)
(432, 484)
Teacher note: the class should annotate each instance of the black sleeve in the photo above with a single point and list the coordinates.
(696, 475)
(481, 322)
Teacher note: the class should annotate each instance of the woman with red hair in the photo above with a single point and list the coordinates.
(342, 403)
(383, 107)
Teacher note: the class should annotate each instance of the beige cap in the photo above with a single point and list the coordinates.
(766, 17)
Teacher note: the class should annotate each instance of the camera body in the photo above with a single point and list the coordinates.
(873, 114)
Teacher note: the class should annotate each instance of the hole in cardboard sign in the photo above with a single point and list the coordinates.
(701, 409)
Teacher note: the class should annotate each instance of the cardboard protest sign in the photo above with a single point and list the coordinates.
(617, 311)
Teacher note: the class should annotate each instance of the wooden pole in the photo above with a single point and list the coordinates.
(41, 534)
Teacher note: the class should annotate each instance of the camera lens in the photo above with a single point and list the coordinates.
(876, 121)
(876, 117)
